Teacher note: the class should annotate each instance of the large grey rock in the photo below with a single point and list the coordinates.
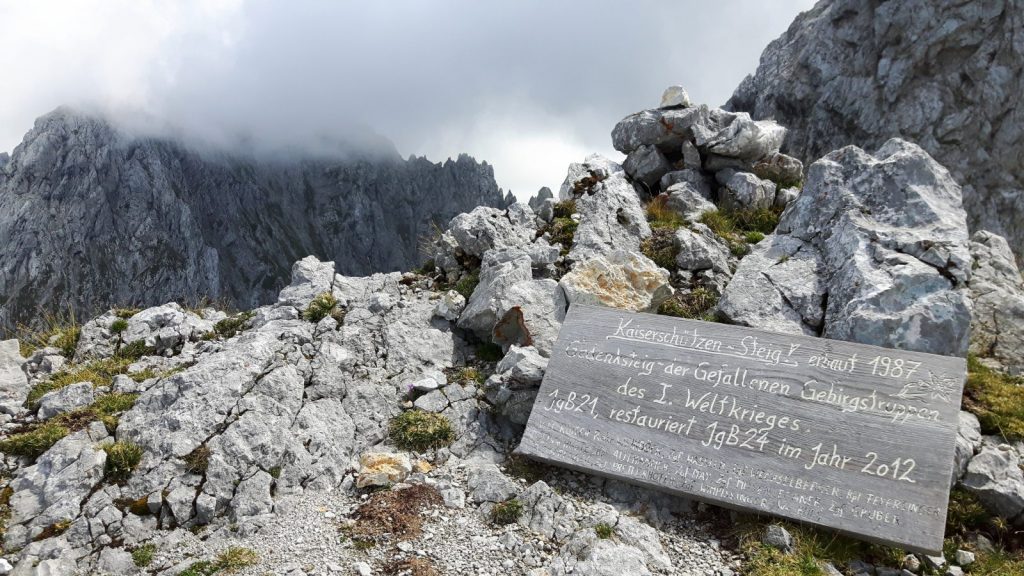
(116, 561)
(880, 241)
(13, 380)
(547, 513)
(745, 191)
(485, 228)
(53, 489)
(509, 307)
(699, 182)
(781, 169)
(636, 549)
(96, 217)
(995, 477)
(667, 129)
(997, 289)
(689, 202)
(745, 139)
(968, 441)
(65, 399)
(620, 279)
(944, 75)
(611, 218)
(486, 482)
(647, 164)
(164, 329)
(702, 249)
(535, 202)
(778, 537)
(581, 176)
(512, 388)
(310, 278)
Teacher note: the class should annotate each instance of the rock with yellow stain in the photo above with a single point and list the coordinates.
(622, 279)
(422, 466)
(382, 469)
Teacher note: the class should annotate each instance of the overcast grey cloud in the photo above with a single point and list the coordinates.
(528, 85)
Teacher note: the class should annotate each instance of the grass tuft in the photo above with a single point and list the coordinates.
(468, 283)
(320, 307)
(228, 327)
(661, 217)
(661, 248)
(198, 460)
(122, 458)
(143, 555)
(996, 399)
(741, 228)
(507, 512)
(420, 431)
(604, 531)
(33, 443)
(58, 330)
(697, 304)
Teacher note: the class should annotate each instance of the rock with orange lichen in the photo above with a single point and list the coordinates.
(382, 468)
(622, 279)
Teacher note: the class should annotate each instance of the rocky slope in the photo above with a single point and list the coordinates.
(945, 75)
(91, 217)
(169, 441)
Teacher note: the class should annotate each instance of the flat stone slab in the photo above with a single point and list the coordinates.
(840, 435)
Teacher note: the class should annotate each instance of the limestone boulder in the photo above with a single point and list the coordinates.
(13, 380)
(875, 250)
(997, 290)
(621, 279)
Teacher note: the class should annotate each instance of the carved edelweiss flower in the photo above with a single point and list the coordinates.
(936, 387)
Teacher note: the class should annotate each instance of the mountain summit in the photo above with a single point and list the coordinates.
(91, 216)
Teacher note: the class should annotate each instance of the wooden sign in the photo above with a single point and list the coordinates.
(840, 435)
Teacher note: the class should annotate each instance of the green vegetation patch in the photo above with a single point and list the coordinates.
(562, 228)
(143, 555)
(507, 512)
(740, 228)
(996, 399)
(228, 327)
(227, 562)
(118, 325)
(122, 458)
(198, 460)
(58, 330)
(321, 307)
(604, 531)
(100, 372)
(126, 313)
(420, 431)
(468, 283)
(38, 437)
(661, 248)
(34, 442)
(697, 304)
(661, 217)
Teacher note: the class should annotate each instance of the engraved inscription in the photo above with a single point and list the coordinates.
(837, 434)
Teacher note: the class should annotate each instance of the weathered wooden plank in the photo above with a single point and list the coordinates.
(841, 435)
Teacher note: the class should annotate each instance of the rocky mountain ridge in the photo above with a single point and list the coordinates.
(92, 217)
(945, 75)
(366, 424)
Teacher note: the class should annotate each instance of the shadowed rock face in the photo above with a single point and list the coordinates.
(90, 217)
(946, 75)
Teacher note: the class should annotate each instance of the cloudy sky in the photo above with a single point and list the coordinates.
(529, 85)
